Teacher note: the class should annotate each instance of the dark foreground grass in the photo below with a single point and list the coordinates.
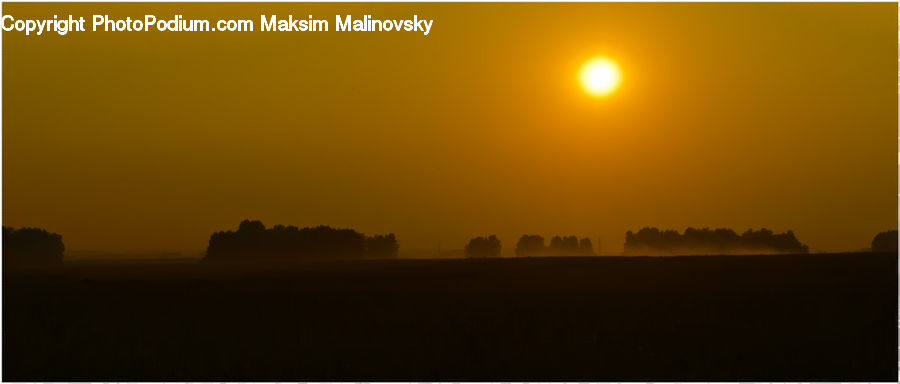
(827, 317)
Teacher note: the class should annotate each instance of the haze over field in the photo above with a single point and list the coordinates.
(738, 116)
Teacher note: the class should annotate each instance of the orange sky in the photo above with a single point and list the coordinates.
(728, 115)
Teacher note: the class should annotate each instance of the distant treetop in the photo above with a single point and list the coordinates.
(652, 241)
(533, 245)
(885, 242)
(480, 247)
(31, 246)
(253, 240)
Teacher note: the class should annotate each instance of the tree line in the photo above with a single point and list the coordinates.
(253, 240)
(531, 246)
(652, 241)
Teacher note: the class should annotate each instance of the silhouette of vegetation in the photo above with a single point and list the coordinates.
(652, 241)
(885, 242)
(382, 246)
(564, 245)
(483, 247)
(253, 240)
(31, 246)
(585, 247)
(530, 245)
(533, 245)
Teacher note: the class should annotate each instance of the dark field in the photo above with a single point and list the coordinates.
(825, 317)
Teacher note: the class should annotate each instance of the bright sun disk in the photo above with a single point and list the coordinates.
(600, 76)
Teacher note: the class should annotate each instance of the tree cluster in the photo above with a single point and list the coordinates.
(885, 242)
(382, 246)
(253, 240)
(652, 241)
(31, 246)
(533, 245)
(481, 247)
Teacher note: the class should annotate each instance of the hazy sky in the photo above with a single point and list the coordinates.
(728, 115)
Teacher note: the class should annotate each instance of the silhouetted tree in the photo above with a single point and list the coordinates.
(564, 246)
(556, 243)
(382, 246)
(530, 245)
(483, 247)
(31, 246)
(885, 242)
(706, 241)
(253, 240)
(533, 245)
(585, 247)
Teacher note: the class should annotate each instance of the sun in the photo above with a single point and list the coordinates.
(600, 76)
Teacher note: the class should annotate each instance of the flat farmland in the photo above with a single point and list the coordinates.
(817, 317)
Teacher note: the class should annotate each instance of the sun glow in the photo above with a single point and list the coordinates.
(600, 76)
